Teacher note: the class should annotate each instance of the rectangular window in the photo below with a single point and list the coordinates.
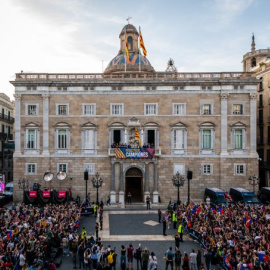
(207, 169)
(117, 109)
(206, 109)
(179, 109)
(31, 139)
(62, 139)
(239, 169)
(237, 108)
(89, 109)
(90, 167)
(150, 109)
(32, 109)
(62, 167)
(206, 139)
(31, 168)
(261, 116)
(89, 139)
(62, 110)
(238, 139)
(179, 139)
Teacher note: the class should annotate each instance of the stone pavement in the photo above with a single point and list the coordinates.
(135, 225)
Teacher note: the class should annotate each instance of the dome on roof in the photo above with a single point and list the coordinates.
(129, 28)
(117, 64)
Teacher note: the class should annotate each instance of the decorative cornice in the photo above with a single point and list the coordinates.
(253, 96)
(45, 96)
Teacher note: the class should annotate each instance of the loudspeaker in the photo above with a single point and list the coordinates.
(189, 174)
(86, 175)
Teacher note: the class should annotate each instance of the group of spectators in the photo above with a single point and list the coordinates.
(30, 236)
(134, 145)
(236, 236)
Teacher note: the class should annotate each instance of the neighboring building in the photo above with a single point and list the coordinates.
(205, 122)
(258, 61)
(6, 137)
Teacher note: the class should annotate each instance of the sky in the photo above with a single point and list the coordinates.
(83, 35)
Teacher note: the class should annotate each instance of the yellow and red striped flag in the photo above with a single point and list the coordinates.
(137, 136)
(142, 44)
(127, 53)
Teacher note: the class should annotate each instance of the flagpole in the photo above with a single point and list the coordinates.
(125, 51)
(139, 50)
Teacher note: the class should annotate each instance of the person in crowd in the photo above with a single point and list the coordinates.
(177, 259)
(193, 259)
(181, 231)
(130, 250)
(129, 198)
(148, 202)
(164, 224)
(159, 215)
(170, 258)
(177, 240)
(138, 257)
(199, 259)
(152, 262)
(123, 258)
(185, 263)
(145, 258)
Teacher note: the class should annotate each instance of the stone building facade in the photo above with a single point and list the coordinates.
(258, 62)
(136, 127)
(6, 137)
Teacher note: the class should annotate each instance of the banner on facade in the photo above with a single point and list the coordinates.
(32, 193)
(46, 193)
(62, 194)
(138, 153)
(2, 183)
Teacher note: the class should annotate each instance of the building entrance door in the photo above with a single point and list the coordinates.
(134, 185)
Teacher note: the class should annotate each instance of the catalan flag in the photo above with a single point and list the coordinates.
(127, 53)
(142, 44)
(137, 137)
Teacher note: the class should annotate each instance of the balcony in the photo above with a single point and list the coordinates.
(134, 153)
(6, 118)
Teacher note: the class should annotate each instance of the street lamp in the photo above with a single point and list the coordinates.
(178, 181)
(254, 181)
(97, 183)
(189, 177)
(23, 184)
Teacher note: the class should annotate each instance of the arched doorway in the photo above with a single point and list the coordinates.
(134, 184)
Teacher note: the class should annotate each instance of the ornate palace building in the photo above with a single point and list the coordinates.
(258, 62)
(136, 127)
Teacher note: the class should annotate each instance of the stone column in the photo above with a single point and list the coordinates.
(224, 131)
(146, 181)
(121, 186)
(45, 98)
(253, 100)
(112, 193)
(155, 192)
(17, 124)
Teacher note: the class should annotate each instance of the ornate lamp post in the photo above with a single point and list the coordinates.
(23, 184)
(254, 181)
(97, 183)
(178, 181)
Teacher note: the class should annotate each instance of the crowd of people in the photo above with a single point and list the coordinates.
(235, 236)
(29, 236)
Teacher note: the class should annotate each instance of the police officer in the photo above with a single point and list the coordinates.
(181, 231)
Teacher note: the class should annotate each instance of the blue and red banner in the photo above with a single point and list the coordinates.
(138, 153)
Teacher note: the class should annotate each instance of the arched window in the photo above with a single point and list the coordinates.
(130, 43)
(253, 62)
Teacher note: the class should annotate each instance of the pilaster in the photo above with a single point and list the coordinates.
(224, 125)
(45, 98)
(17, 124)
(253, 100)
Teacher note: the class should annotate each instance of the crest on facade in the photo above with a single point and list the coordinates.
(133, 122)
